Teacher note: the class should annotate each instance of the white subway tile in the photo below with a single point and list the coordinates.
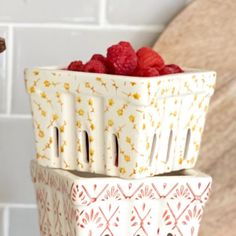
(23, 222)
(157, 12)
(3, 72)
(73, 11)
(38, 47)
(16, 151)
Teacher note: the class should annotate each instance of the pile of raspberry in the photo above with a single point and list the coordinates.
(121, 59)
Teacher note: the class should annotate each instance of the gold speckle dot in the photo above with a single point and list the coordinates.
(91, 139)
(128, 139)
(120, 112)
(78, 124)
(110, 122)
(81, 112)
(197, 147)
(55, 117)
(110, 102)
(41, 134)
(67, 86)
(43, 95)
(144, 126)
(62, 129)
(87, 85)
(136, 96)
(90, 102)
(142, 169)
(127, 158)
(122, 170)
(147, 146)
(46, 83)
(36, 72)
(91, 152)
(78, 99)
(43, 113)
(92, 126)
(61, 149)
(32, 89)
(180, 161)
(132, 118)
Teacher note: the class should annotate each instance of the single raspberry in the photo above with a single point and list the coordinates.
(146, 72)
(104, 60)
(99, 57)
(95, 66)
(75, 66)
(170, 69)
(122, 58)
(149, 58)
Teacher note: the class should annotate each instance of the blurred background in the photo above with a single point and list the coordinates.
(54, 33)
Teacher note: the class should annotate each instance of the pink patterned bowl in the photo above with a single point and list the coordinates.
(123, 126)
(78, 205)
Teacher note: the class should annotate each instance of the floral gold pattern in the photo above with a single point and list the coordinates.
(162, 116)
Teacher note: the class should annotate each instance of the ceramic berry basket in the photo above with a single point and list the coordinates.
(77, 205)
(118, 125)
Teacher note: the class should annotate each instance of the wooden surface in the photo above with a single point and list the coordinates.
(204, 36)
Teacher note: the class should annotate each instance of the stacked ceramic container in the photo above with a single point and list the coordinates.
(105, 145)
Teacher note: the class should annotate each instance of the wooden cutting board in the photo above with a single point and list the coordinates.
(203, 35)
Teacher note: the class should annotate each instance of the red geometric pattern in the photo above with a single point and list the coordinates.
(71, 206)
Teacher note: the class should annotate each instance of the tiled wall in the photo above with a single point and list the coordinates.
(54, 33)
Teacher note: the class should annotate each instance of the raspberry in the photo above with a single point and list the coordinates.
(104, 60)
(75, 66)
(149, 58)
(171, 69)
(95, 66)
(147, 72)
(99, 57)
(122, 58)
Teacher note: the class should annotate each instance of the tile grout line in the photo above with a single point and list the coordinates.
(153, 28)
(6, 219)
(102, 12)
(18, 205)
(9, 69)
(15, 116)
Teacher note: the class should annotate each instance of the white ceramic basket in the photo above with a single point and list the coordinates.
(78, 205)
(118, 125)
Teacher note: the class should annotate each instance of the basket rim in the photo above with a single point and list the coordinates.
(61, 69)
